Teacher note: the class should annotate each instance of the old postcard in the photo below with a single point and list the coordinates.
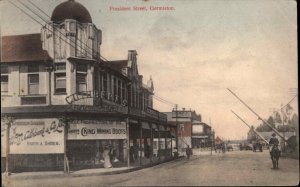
(149, 93)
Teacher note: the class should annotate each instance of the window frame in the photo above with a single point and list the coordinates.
(83, 73)
(33, 70)
(59, 74)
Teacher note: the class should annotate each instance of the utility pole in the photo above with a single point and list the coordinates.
(283, 130)
(211, 140)
(177, 127)
(250, 127)
(257, 115)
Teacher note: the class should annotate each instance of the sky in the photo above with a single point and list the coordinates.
(198, 50)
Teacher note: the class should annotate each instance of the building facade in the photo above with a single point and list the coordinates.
(192, 131)
(62, 105)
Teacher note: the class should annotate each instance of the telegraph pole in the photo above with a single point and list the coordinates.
(257, 115)
(250, 127)
(177, 127)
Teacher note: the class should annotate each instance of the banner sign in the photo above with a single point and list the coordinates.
(94, 129)
(36, 136)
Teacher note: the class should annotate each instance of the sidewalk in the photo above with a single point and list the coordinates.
(79, 173)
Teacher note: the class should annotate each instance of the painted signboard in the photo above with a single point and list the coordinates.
(94, 129)
(36, 136)
(197, 129)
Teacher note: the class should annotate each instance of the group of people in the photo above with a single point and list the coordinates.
(108, 156)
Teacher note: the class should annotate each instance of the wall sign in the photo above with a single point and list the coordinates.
(197, 129)
(93, 129)
(36, 136)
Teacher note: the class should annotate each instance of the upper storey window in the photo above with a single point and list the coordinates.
(60, 78)
(81, 78)
(4, 78)
(33, 79)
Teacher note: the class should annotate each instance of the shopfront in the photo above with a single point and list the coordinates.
(34, 144)
(88, 141)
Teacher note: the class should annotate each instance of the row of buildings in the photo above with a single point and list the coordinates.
(62, 105)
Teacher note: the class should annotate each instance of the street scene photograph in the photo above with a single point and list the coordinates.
(149, 93)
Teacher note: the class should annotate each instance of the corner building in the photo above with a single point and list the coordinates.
(62, 104)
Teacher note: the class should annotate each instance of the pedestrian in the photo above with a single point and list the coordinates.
(188, 152)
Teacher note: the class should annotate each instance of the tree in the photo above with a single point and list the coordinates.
(271, 121)
(277, 118)
(251, 135)
(295, 120)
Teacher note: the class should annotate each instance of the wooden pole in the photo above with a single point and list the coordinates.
(128, 142)
(141, 136)
(257, 115)
(166, 147)
(250, 127)
(7, 147)
(151, 140)
(158, 151)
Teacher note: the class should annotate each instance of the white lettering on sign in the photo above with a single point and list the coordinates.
(35, 136)
(93, 129)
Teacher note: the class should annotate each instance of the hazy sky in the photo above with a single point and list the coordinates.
(197, 51)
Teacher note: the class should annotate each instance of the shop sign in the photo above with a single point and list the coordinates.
(197, 129)
(35, 136)
(95, 130)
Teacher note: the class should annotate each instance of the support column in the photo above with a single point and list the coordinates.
(128, 142)
(171, 143)
(158, 151)
(151, 140)
(141, 136)
(8, 125)
(166, 146)
(66, 161)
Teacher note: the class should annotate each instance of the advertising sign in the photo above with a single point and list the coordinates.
(93, 129)
(36, 136)
(197, 129)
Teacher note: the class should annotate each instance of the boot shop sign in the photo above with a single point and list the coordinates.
(93, 129)
(34, 136)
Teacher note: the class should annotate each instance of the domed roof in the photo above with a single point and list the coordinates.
(71, 10)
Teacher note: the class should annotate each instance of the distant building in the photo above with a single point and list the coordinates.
(191, 130)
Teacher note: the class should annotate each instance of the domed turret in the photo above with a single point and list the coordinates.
(71, 10)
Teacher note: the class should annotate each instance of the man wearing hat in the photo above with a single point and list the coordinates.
(273, 141)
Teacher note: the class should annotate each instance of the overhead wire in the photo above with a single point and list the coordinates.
(86, 50)
(40, 22)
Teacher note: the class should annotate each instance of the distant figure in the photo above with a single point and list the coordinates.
(274, 151)
(131, 154)
(188, 152)
(273, 142)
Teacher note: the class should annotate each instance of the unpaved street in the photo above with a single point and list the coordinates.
(232, 168)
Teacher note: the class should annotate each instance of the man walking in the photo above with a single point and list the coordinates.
(188, 152)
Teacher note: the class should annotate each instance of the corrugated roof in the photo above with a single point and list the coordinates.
(18, 48)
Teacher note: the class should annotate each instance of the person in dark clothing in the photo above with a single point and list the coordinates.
(273, 142)
(131, 154)
(188, 152)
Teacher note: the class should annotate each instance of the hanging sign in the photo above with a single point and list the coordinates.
(93, 130)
